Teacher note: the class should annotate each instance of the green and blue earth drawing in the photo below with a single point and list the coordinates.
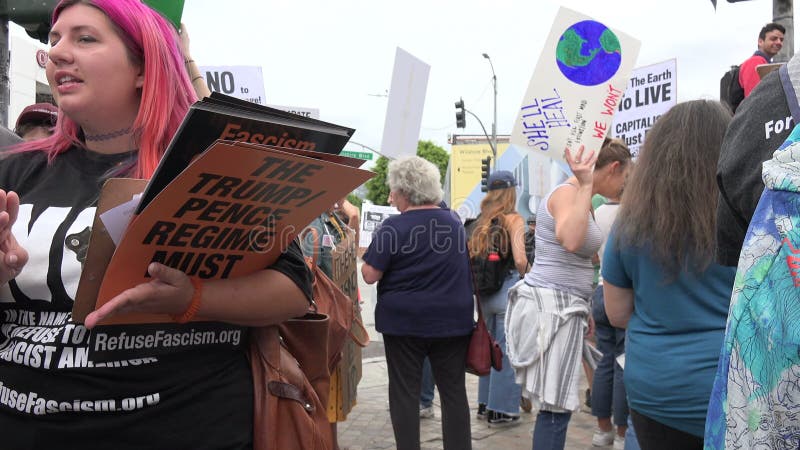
(588, 53)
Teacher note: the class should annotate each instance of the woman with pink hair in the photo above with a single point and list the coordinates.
(118, 77)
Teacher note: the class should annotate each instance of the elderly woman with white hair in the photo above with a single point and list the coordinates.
(425, 304)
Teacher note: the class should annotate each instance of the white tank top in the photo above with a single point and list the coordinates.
(555, 267)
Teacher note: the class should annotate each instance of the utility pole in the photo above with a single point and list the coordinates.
(783, 13)
(494, 123)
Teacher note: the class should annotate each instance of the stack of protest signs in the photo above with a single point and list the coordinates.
(236, 185)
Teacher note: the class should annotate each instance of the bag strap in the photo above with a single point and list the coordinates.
(313, 260)
(496, 238)
(475, 293)
(359, 323)
(494, 235)
(499, 233)
(788, 91)
(338, 224)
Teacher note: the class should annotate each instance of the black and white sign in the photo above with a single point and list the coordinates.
(652, 91)
(244, 82)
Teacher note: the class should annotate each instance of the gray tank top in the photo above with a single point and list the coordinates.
(556, 268)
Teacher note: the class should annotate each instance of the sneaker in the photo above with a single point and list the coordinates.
(426, 413)
(619, 442)
(482, 411)
(498, 420)
(602, 438)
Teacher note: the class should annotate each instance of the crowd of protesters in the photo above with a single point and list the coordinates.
(696, 347)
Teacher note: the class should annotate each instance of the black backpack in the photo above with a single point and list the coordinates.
(730, 91)
(491, 269)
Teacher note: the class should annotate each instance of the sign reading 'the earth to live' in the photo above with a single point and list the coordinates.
(652, 90)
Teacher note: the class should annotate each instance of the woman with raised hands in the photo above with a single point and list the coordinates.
(548, 312)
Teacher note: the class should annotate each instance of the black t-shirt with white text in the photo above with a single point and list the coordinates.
(168, 386)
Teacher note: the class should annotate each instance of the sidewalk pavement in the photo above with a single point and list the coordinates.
(368, 426)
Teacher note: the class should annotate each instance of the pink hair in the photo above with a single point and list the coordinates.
(167, 92)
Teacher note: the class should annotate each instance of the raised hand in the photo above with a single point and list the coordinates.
(582, 166)
(12, 256)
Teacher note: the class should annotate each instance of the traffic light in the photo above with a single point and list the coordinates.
(461, 120)
(486, 164)
(34, 17)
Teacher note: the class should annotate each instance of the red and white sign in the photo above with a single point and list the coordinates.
(41, 58)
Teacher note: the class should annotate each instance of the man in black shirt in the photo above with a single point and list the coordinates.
(761, 124)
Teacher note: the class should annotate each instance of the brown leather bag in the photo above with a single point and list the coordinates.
(330, 300)
(292, 364)
(484, 353)
(288, 412)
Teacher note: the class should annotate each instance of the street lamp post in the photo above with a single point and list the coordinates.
(783, 13)
(494, 123)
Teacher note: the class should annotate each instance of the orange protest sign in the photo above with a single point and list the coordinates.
(230, 213)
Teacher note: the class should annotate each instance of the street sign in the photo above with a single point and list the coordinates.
(359, 155)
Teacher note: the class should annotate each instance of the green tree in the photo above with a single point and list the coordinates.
(378, 191)
(435, 154)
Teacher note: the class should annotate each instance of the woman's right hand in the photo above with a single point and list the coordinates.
(12, 256)
(582, 167)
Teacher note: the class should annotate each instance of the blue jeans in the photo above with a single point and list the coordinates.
(550, 431)
(608, 389)
(498, 390)
(630, 436)
(426, 394)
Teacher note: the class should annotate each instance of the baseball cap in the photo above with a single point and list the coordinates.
(501, 179)
(39, 113)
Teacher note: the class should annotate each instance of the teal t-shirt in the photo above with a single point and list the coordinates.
(674, 336)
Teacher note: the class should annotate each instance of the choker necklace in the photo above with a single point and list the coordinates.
(107, 136)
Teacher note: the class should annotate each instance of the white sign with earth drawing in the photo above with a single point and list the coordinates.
(576, 87)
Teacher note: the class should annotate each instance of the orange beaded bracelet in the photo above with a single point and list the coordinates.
(194, 305)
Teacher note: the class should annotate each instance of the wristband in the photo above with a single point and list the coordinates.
(194, 304)
(199, 77)
(187, 61)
